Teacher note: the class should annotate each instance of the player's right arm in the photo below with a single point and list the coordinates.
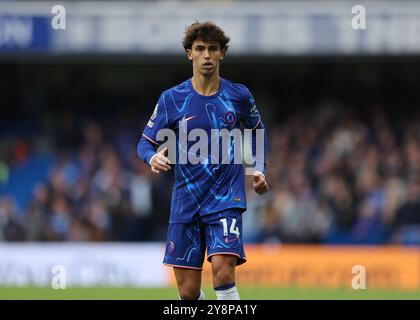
(160, 161)
(146, 148)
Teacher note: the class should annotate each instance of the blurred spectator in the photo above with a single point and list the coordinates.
(58, 226)
(407, 218)
(11, 224)
(37, 214)
(141, 200)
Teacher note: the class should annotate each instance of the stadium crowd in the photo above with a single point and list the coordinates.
(336, 175)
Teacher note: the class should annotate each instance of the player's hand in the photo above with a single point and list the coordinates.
(160, 162)
(260, 184)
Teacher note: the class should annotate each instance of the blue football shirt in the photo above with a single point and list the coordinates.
(206, 187)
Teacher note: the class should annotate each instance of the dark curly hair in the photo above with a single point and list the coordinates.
(208, 32)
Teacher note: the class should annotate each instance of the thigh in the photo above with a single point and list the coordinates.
(188, 279)
(224, 234)
(185, 245)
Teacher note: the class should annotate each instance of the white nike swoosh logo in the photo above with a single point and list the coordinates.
(189, 118)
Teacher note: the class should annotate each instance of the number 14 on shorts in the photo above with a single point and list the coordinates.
(233, 228)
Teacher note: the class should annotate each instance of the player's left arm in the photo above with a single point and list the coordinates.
(251, 118)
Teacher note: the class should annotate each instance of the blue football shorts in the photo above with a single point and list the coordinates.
(220, 233)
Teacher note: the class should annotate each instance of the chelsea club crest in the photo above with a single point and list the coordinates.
(230, 117)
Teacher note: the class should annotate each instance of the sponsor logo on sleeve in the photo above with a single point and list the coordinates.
(253, 111)
(153, 117)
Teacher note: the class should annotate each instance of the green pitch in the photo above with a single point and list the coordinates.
(99, 293)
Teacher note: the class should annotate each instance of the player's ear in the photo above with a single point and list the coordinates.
(189, 54)
(222, 54)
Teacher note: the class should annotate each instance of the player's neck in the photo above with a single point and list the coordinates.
(206, 86)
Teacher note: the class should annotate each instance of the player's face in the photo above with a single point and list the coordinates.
(205, 56)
